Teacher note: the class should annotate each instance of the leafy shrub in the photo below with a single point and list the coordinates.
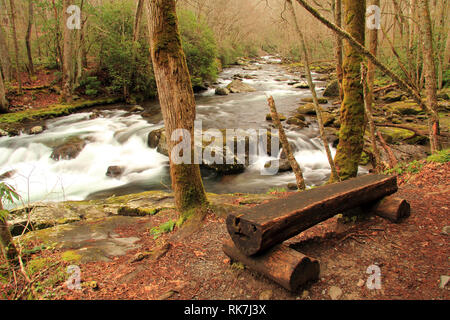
(199, 47)
(440, 157)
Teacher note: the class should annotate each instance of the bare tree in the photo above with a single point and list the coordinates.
(28, 38)
(430, 74)
(334, 174)
(16, 44)
(66, 95)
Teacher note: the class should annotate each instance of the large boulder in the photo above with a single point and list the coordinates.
(404, 108)
(69, 149)
(283, 165)
(237, 86)
(393, 96)
(332, 89)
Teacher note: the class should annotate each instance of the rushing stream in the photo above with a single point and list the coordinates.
(119, 138)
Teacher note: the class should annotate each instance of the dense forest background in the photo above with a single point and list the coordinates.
(110, 53)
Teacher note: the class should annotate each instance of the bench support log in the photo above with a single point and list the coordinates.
(391, 208)
(260, 228)
(287, 267)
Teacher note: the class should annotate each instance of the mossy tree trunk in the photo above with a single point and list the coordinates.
(351, 135)
(176, 97)
(7, 244)
(430, 74)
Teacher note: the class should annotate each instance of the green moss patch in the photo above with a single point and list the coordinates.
(53, 111)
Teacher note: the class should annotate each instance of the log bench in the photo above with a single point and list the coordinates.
(257, 233)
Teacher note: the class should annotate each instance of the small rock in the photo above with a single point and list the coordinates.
(446, 230)
(335, 293)
(115, 171)
(266, 295)
(360, 283)
(137, 108)
(292, 186)
(444, 282)
(36, 130)
(8, 174)
(222, 91)
(301, 85)
(3, 133)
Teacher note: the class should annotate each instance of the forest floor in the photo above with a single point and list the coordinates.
(413, 256)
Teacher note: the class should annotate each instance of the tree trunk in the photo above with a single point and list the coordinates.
(351, 135)
(67, 56)
(28, 37)
(334, 174)
(372, 128)
(412, 91)
(339, 45)
(16, 44)
(287, 267)
(392, 208)
(286, 146)
(430, 74)
(7, 244)
(5, 60)
(176, 98)
(4, 105)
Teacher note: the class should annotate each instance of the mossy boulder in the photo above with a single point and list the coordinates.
(393, 96)
(281, 116)
(398, 135)
(328, 119)
(69, 149)
(404, 108)
(332, 89)
(307, 109)
(237, 86)
(310, 100)
(222, 91)
(296, 121)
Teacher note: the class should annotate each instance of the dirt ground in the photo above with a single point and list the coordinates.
(412, 256)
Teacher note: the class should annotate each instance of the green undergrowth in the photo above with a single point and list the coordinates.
(166, 227)
(53, 111)
(416, 166)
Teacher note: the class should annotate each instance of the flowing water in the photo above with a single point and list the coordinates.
(118, 138)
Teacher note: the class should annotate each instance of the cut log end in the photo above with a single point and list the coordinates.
(283, 265)
(392, 208)
(245, 236)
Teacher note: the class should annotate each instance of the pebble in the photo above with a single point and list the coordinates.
(446, 230)
(361, 283)
(266, 295)
(335, 293)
